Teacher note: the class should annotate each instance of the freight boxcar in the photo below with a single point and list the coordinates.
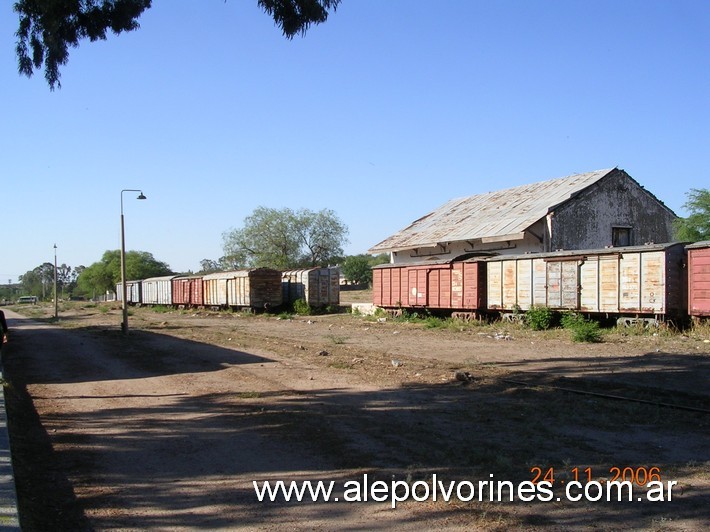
(188, 291)
(319, 287)
(699, 279)
(256, 288)
(133, 292)
(158, 290)
(458, 286)
(644, 282)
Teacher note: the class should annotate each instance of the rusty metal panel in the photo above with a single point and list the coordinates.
(417, 287)
(181, 291)
(699, 279)
(378, 286)
(457, 284)
(630, 282)
(494, 284)
(439, 287)
(474, 285)
(197, 291)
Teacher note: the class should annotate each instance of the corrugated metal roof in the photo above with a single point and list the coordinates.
(493, 214)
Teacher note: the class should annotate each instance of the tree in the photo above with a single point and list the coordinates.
(48, 28)
(103, 276)
(696, 226)
(284, 239)
(358, 268)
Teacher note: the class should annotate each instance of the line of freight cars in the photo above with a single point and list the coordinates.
(259, 288)
(651, 283)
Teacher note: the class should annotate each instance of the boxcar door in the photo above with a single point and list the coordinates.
(417, 287)
(563, 284)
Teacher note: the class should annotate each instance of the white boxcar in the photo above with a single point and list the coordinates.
(214, 287)
(635, 280)
(158, 290)
(319, 287)
(133, 292)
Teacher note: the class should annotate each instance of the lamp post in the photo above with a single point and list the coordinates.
(124, 323)
(56, 302)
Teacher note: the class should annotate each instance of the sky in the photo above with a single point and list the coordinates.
(381, 114)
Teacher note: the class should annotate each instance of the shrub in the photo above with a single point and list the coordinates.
(540, 318)
(586, 331)
(570, 320)
(302, 308)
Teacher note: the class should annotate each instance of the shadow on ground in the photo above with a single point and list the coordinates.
(188, 460)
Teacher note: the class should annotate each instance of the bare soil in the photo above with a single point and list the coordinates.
(168, 427)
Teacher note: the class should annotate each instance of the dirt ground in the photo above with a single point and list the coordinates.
(168, 427)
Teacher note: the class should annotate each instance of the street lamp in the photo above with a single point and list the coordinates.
(56, 302)
(124, 323)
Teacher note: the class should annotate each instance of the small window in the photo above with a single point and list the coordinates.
(620, 236)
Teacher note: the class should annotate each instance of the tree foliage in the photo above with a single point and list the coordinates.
(40, 281)
(48, 28)
(285, 239)
(358, 268)
(696, 226)
(103, 276)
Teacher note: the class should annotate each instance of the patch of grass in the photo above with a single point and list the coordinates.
(337, 340)
(249, 395)
(340, 365)
(103, 309)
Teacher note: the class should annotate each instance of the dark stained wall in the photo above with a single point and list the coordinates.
(587, 220)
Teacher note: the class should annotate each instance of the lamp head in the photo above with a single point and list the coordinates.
(141, 196)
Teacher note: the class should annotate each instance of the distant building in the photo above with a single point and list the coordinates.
(582, 211)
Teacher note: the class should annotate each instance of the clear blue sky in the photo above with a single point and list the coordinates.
(382, 114)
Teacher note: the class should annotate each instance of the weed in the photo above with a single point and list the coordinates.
(586, 331)
(302, 308)
(540, 318)
(340, 365)
(570, 320)
(103, 309)
(249, 395)
(337, 340)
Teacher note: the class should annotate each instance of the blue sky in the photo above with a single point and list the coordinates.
(381, 114)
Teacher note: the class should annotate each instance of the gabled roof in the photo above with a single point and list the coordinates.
(492, 215)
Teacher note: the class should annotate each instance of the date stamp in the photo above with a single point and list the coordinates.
(640, 475)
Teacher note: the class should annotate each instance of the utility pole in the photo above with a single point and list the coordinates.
(56, 301)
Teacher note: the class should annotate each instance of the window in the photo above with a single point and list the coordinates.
(620, 236)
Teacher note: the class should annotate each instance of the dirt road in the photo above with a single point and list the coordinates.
(169, 427)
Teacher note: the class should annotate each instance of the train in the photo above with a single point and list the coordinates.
(649, 284)
(254, 289)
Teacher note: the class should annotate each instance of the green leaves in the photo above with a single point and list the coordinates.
(284, 239)
(696, 226)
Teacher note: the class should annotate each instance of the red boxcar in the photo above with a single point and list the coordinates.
(455, 286)
(699, 279)
(188, 291)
